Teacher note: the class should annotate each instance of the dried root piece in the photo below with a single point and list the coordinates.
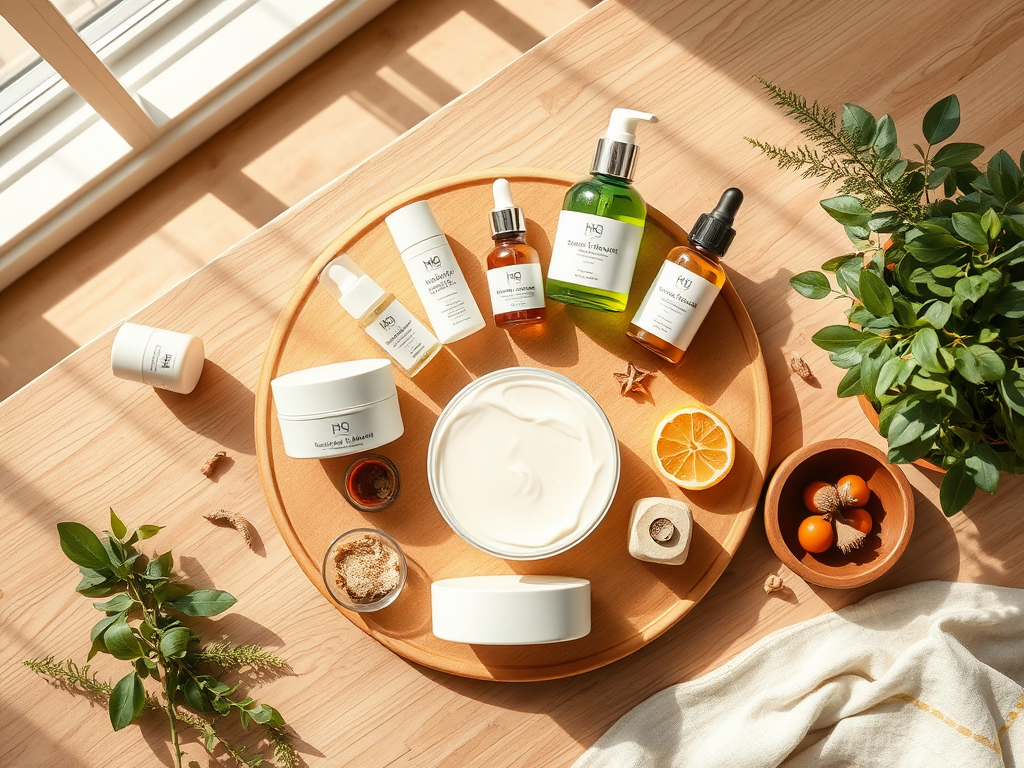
(211, 463)
(800, 368)
(848, 538)
(232, 520)
(773, 584)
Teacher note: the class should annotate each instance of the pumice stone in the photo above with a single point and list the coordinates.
(660, 531)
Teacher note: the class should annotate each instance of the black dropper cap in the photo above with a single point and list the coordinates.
(714, 231)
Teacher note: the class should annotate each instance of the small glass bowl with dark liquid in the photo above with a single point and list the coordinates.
(371, 483)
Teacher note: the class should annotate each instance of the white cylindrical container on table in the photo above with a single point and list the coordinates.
(435, 273)
(157, 357)
(337, 409)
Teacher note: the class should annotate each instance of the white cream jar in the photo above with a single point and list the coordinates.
(337, 409)
(157, 357)
(523, 463)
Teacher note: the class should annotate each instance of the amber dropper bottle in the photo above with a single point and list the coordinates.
(686, 286)
(514, 279)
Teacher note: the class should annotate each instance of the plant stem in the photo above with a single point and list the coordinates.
(170, 716)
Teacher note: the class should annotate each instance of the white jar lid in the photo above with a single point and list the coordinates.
(510, 609)
(128, 354)
(412, 224)
(333, 388)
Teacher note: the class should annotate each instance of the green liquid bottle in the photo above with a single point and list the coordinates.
(602, 221)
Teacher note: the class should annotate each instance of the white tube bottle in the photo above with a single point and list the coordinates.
(439, 281)
(384, 318)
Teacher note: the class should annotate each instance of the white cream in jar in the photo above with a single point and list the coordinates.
(523, 463)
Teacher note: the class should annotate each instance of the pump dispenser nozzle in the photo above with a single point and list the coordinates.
(714, 230)
(506, 218)
(616, 152)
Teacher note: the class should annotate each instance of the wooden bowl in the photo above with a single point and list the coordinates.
(891, 506)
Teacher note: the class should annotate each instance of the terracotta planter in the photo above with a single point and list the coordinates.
(872, 416)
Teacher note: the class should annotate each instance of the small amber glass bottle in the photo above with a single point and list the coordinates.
(686, 286)
(514, 279)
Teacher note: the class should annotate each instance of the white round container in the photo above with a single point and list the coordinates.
(510, 609)
(337, 409)
(163, 359)
(523, 463)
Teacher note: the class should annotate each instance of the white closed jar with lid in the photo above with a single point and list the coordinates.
(337, 409)
(157, 357)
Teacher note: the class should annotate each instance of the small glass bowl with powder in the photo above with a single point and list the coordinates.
(364, 570)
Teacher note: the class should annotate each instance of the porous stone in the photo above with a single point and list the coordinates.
(643, 546)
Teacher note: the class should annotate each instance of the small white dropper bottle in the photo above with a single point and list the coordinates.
(395, 329)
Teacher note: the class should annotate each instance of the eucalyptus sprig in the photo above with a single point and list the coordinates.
(145, 623)
(935, 333)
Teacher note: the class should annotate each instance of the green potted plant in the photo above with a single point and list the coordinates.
(934, 339)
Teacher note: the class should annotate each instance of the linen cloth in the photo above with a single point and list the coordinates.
(926, 675)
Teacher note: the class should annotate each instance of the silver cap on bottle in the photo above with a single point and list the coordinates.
(615, 158)
(507, 221)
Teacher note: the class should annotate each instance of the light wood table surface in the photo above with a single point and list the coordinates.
(77, 441)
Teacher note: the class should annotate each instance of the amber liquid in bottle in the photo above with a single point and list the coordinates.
(702, 263)
(510, 250)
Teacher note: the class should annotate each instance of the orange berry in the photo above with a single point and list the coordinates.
(859, 519)
(815, 534)
(853, 491)
(809, 492)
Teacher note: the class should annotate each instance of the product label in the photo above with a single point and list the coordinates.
(594, 251)
(515, 288)
(676, 305)
(162, 364)
(401, 335)
(443, 291)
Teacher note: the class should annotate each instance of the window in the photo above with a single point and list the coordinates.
(99, 96)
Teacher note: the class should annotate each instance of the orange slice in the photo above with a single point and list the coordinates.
(693, 447)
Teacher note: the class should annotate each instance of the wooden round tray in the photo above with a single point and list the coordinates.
(633, 602)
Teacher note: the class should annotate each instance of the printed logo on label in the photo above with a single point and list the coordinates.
(166, 361)
(387, 322)
(339, 428)
(593, 230)
(684, 282)
(434, 262)
(514, 277)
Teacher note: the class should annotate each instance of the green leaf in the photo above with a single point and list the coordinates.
(991, 224)
(847, 210)
(100, 627)
(126, 700)
(82, 546)
(203, 602)
(836, 337)
(934, 247)
(937, 314)
(946, 271)
(971, 288)
(1004, 177)
(1011, 386)
(978, 363)
(983, 466)
(874, 293)
(121, 641)
(954, 154)
(174, 642)
(858, 124)
(885, 136)
(148, 531)
(941, 120)
(937, 178)
(266, 715)
(170, 591)
(968, 226)
(1010, 301)
(161, 567)
(834, 263)
(195, 696)
(96, 583)
(116, 526)
(116, 604)
(850, 385)
(812, 284)
(957, 488)
(888, 375)
(925, 348)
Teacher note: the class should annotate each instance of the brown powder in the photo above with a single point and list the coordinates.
(367, 568)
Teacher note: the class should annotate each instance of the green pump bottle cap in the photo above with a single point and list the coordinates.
(713, 231)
